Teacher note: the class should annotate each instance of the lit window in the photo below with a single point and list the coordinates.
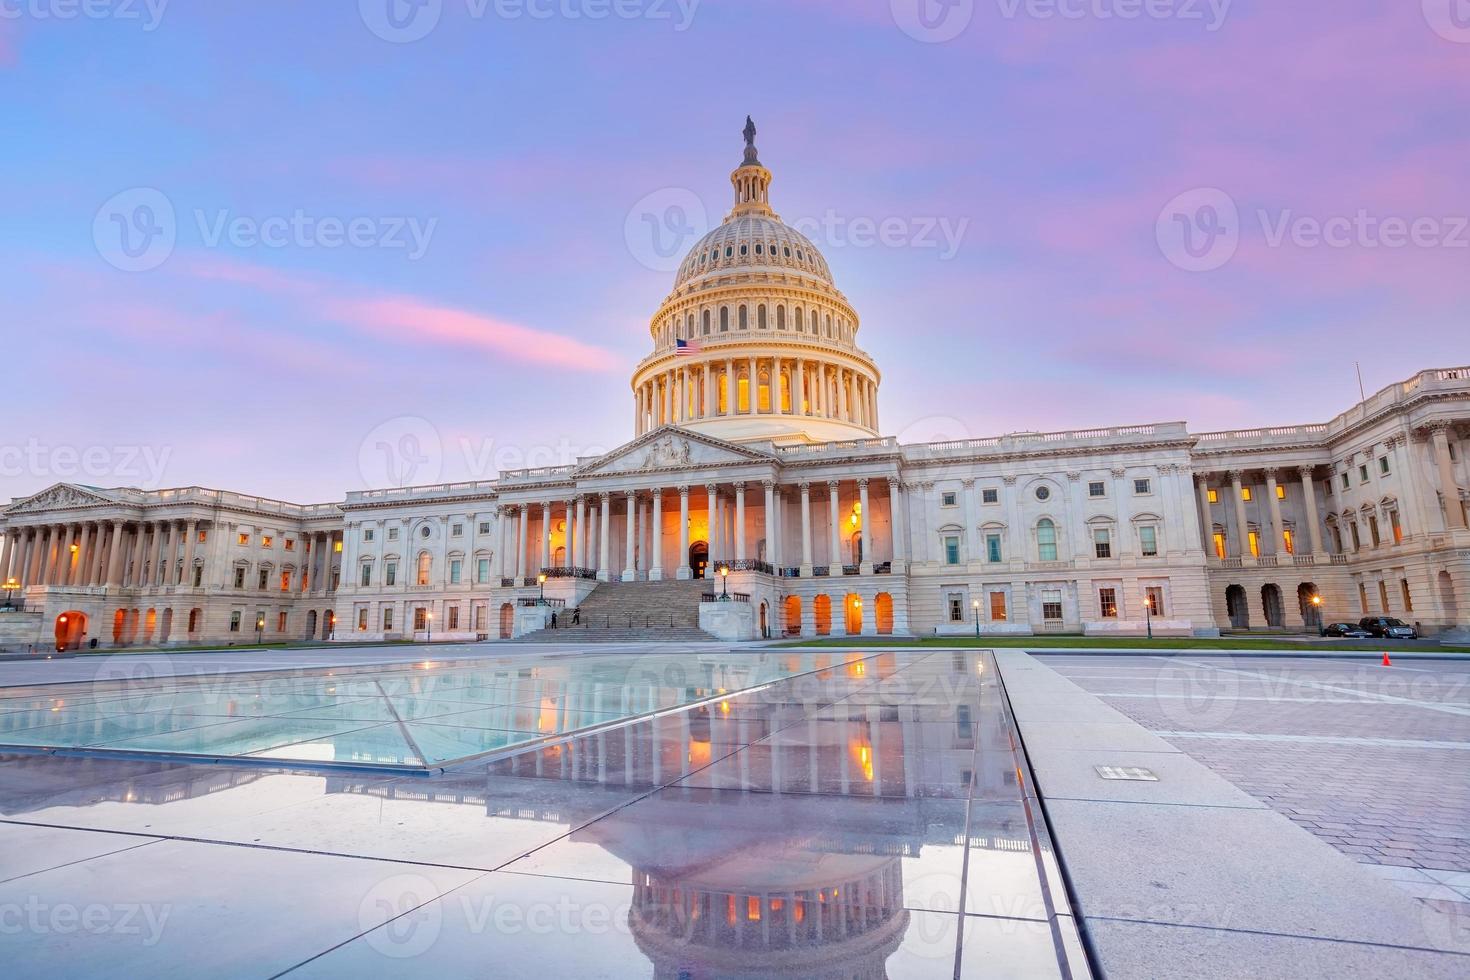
(426, 565)
(420, 618)
(243, 540)
(337, 547)
(952, 550)
(267, 541)
(1142, 487)
(285, 581)
(1148, 538)
(1397, 527)
(1102, 542)
(1220, 544)
(998, 606)
(1289, 540)
(1097, 489)
(1154, 596)
(362, 621)
(1108, 602)
(1245, 494)
(990, 496)
(1280, 492)
(1046, 540)
(1214, 496)
(290, 544)
(1255, 543)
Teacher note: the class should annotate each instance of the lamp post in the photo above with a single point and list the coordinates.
(541, 581)
(975, 605)
(724, 583)
(429, 625)
(259, 628)
(331, 626)
(1317, 604)
(1148, 614)
(11, 584)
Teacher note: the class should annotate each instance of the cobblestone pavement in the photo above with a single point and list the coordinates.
(1374, 760)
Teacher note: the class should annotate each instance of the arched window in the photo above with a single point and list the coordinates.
(1046, 540)
(796, 321)
(426, 568)
(760, 317)
(780, 318)
(724, 319)
(706, 322)
(744, 318)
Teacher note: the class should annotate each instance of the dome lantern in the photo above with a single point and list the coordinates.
(752, 181)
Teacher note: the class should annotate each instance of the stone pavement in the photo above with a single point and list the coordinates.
(1373, 760)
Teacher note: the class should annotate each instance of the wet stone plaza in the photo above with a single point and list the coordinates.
(684, 814)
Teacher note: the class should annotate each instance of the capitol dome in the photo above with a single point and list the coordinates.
(756, 342)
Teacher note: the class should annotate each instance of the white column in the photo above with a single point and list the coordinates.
(731, 394)
(797, 387)
(806, 534)
(191, 533)
(769, 520)
(895, 528)
(582, 556)
(834, 542)
(1242, 527)
(866, 568)
(752, 387)
(1449, 488)
(630, 527)
(522, 543)
(740, 552)
(683, 571)
(1278, 538)
(1123, 498)
(656, 562)
(711, 500)
(604, 573)
(545, 536)
(1206, 514)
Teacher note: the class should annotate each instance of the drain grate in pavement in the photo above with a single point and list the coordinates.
(1135, 773)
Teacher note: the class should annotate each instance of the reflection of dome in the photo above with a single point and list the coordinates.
(756, 342)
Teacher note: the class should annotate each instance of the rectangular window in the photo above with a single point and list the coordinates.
(1220, 545)
(990, 496)
(1214, 496)
(1108, 602)
(1148, 538)
(998, 607)
(281, 621)
(388, 620)
(239, 578)
(1097, 489)
(243, 540)
(337, 547)
(1142, 487)
(1383, 465)
(1408, 597)
(290, 544)
(948, 499)
(1280, 492)
(956, 603)
(1373, 530)
(285, 581)
(390, 573)
(1363, 598)
(420, 618)
(484, 527)
(267, 541)
(455, 571)
(367, 534)
(479, 619)
(1289, 540)
(951, 550)
(456, 531)
(1255, 542)
(1346, 481)
(392, 534)
(1245, 494)
(1051, 607)
(992, 548)
(1357, 539)
(1363, 473)
(1102, 542)
(426, 565)
(1396, 526)
(453, 615)
(482, 570)
(235, 621)
(262, 580)
(362, 615)
(1383, 595)
(367, 576)
(1154, 596)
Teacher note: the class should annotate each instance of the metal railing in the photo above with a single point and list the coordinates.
(724, 597)
(568, 571)
(744, 565)
(533, 601)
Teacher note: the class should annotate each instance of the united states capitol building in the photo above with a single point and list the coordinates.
(758, 450)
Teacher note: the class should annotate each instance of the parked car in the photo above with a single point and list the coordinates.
(1387, 626)
(1346, 630)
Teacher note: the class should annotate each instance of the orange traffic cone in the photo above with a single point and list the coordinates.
(1386, 661)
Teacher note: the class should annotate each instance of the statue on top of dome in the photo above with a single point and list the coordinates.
(750, 154)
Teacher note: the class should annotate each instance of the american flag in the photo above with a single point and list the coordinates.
(686, 347)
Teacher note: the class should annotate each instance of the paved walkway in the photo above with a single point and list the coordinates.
(1373, 760)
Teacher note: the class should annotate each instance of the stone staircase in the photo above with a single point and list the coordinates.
(632, 612)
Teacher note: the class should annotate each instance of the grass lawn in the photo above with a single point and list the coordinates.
(1134, 643)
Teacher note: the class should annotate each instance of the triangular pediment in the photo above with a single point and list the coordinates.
(672, 448)
(60, 496)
